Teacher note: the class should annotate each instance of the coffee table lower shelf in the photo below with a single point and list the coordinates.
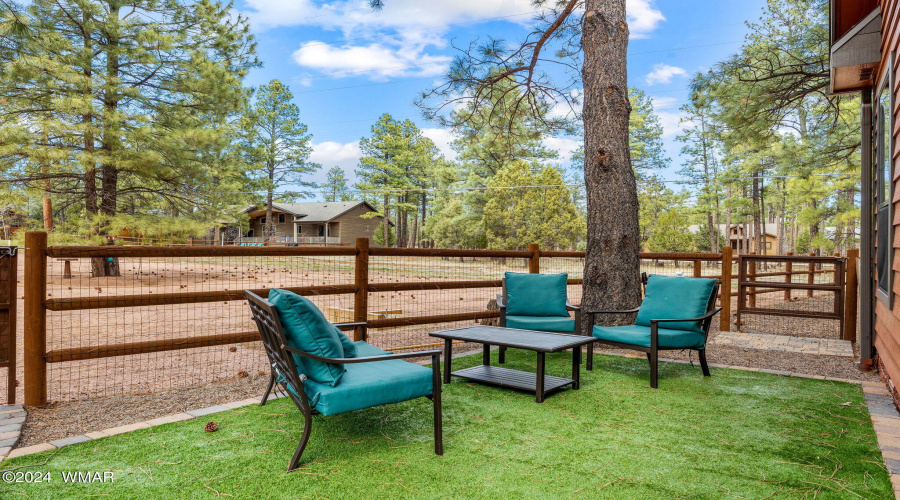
(516, 379)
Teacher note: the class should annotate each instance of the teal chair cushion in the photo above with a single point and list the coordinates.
(347, 344)
(306, 329)
(640, 336)
(673, 297)
(536, 294)
(364, 349)
(542, 324)
(370, 384)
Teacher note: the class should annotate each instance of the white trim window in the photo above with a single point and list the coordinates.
(884, 176)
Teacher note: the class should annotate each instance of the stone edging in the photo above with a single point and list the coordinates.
(11, 419)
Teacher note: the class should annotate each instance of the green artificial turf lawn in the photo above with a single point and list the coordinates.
(738, 434)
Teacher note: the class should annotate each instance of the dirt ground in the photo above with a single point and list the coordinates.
(106, 392)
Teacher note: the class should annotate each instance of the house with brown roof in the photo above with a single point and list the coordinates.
(331, 222)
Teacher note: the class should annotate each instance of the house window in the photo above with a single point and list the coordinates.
(768, 245)
(281, 218)
(262, 220)
(299, 229)
(884, 185)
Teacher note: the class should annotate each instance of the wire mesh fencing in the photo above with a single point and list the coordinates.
(126, 320)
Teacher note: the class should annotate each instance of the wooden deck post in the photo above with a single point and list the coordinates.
(8, 300)
(851, 295)
(788, 269)
(751, 274)
(534, 262)
(361, 280)
(725, 290)
(35, 319)
(812, 275)
(698, 271)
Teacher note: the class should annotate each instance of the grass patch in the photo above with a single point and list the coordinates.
(738, 434)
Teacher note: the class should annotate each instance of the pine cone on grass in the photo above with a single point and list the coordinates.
(211, 427)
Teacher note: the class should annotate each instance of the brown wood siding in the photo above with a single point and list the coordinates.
(351, 225)
(887, 321)
(285, 228)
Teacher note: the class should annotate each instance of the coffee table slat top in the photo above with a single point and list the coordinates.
(510, 337)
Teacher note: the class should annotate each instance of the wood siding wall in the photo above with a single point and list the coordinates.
(347, 227)
(887, 321)
(352, 225)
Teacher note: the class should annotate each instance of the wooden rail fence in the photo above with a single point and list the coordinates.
(37, 302)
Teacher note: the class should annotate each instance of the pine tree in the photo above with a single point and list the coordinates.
(335, 187)
(277, 145)
(114, 102)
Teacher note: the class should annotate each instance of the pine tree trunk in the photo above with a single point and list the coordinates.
(612, 264)
(386, 222)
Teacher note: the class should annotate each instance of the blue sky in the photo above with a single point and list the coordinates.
(346, 65)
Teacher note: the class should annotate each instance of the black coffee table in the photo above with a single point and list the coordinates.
(539, 342)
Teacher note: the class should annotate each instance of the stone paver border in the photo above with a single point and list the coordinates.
(11, 419)
(785, 343)
(885, 418)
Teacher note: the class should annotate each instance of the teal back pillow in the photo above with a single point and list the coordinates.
(673, 297)
(536, 294)
(346, 343)
(307, 329)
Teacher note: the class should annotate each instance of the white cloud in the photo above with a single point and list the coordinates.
(671, 123)
(643, 18)
(329, 154)
(661, 103)
(663, 73)
(442, 138)
(564, 145)
(376, 61)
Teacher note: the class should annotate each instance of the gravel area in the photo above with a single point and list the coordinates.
(60, 420)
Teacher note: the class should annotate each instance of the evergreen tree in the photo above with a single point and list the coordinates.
(546, 215)
(335, 187)
(114, 102)
(396, 161)
(277, 145)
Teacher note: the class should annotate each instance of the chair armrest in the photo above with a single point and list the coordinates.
(351, 325)
(701, 318)
(500, 303)
(636, 309)
(366, 359)
(570, 307)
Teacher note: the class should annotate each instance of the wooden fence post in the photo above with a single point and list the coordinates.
(788, 269)
(698, 271)
(361, 280)
(534, 262)
(812, 275)
(35, 319)
(751, 274)
(850, 296)
(725, 293)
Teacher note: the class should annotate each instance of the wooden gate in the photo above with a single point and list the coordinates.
(8, 269)
(759, 275)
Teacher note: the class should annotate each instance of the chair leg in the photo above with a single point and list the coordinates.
(436, 403)
(653, 357)
(590, 357)
(307, 428)
(271, 386)
(703, 364)
(502, 356)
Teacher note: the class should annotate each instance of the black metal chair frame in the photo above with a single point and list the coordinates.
(501, 303)
(653, 350)
(284, 371)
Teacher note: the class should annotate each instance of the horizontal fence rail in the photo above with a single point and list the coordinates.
(170, 305)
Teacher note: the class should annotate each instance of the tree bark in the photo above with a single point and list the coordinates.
(612, 264)
(386, 222)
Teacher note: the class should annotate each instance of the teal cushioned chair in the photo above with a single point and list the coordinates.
(537, 302)
(676, 314)
(372, 377)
